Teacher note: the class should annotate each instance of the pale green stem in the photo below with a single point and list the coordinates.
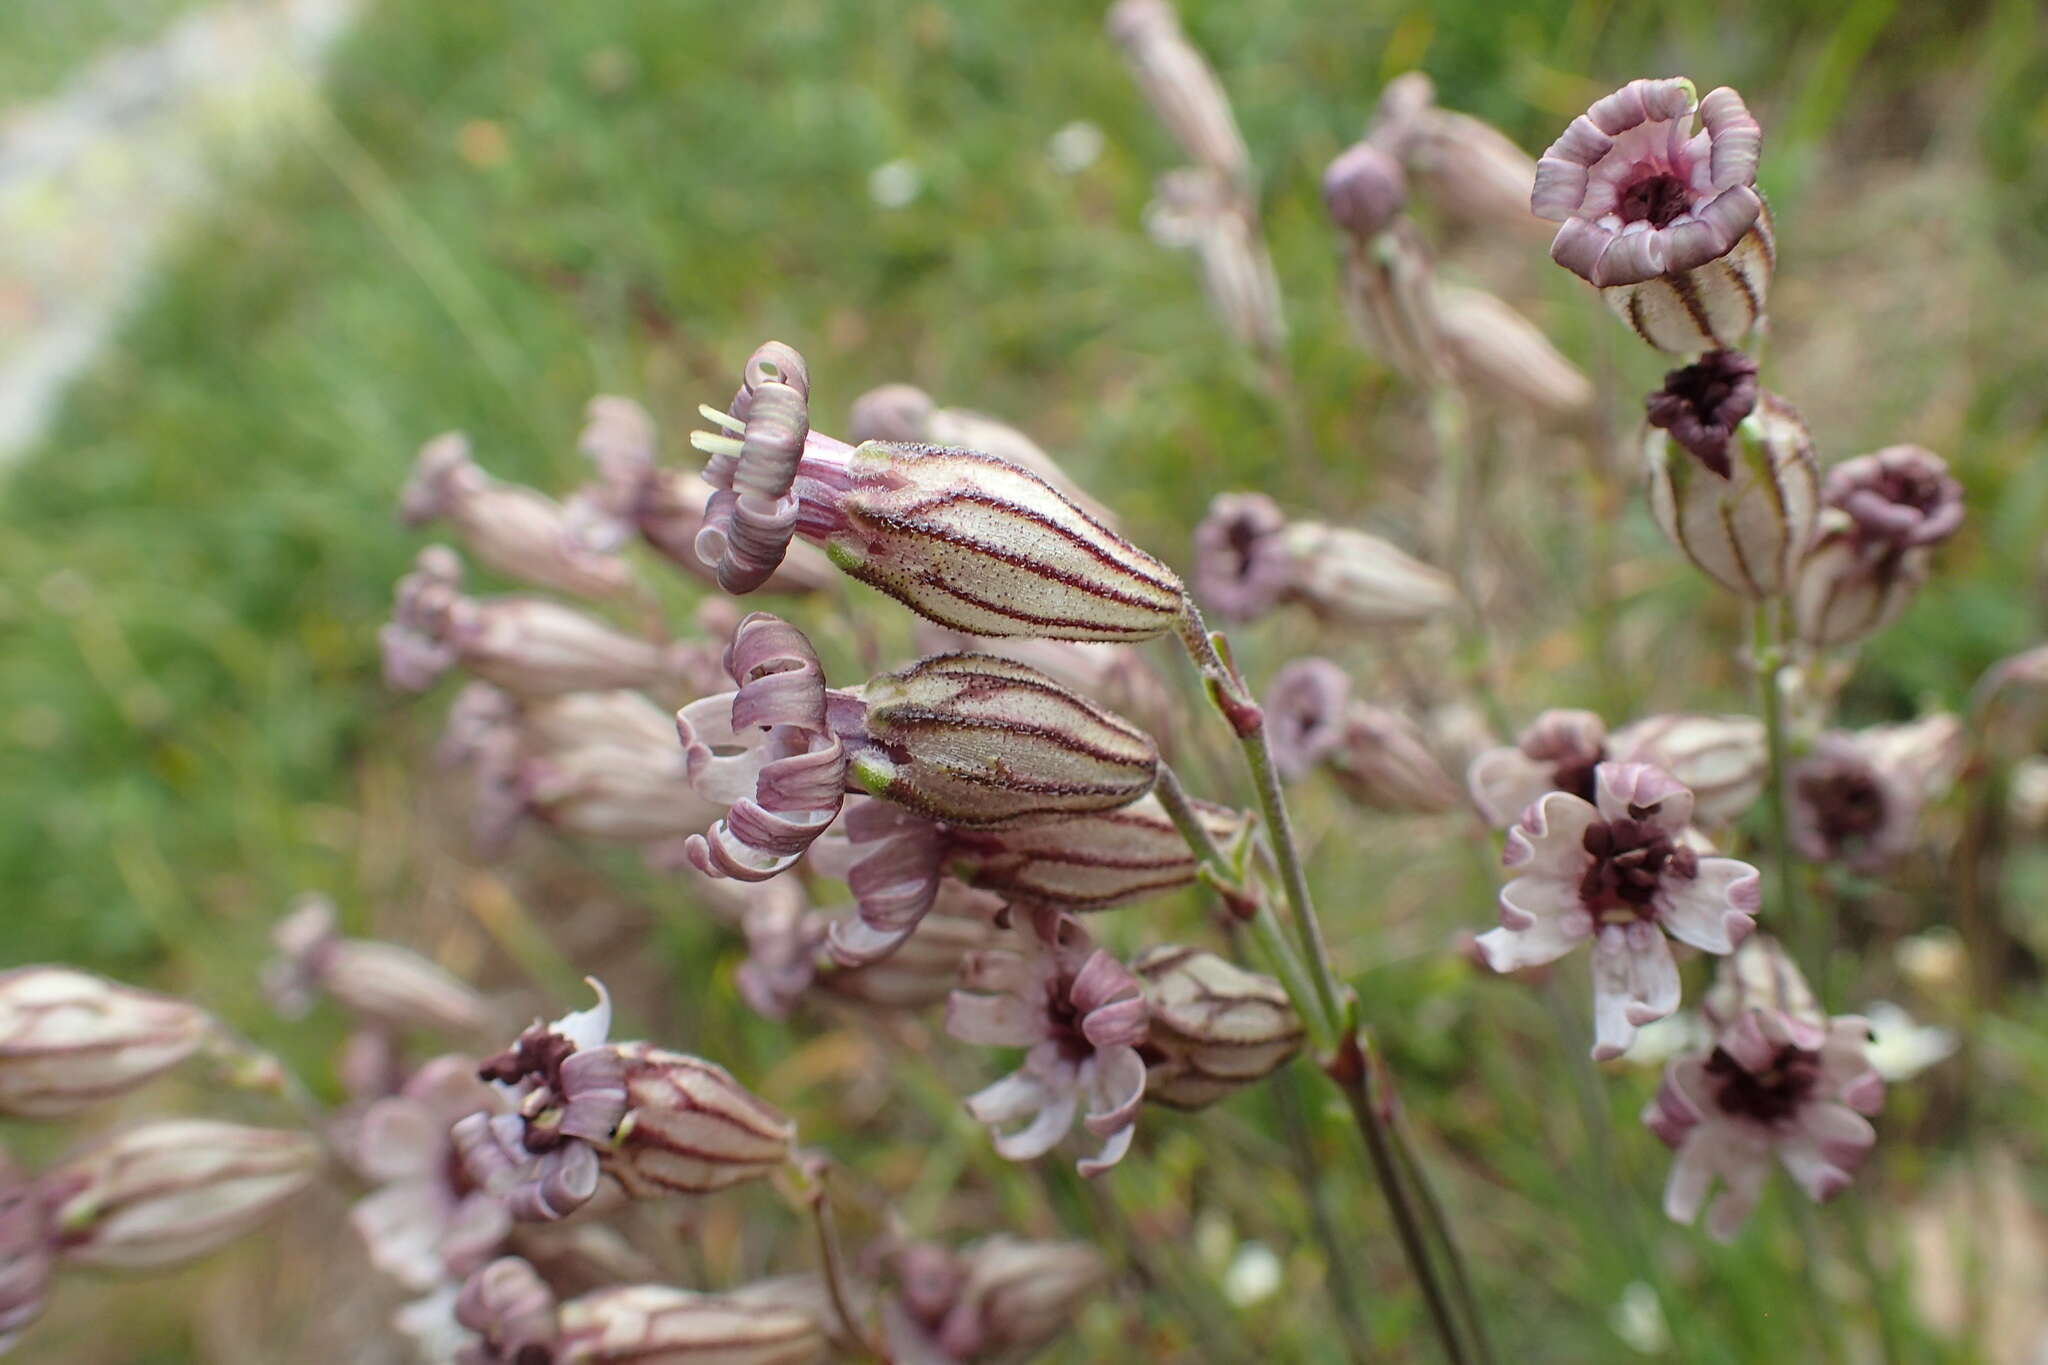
(1806, 926)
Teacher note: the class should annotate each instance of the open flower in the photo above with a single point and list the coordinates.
(1857, 798)
(1781, 1080)
(1620, 872)
(1667, 222)
(1082, 1014)
(1882, 515)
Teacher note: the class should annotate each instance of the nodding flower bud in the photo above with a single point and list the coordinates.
(1364, 191)
(1883, 514)
(690, 1128)
(1090, 862)
(515, 530)
(525, 645)
(963, 539)
(169, 1192)
(632, 1324)
(1469, 169)
(1305, 713)
(1741, 496)
(1179, 84)
(1214, 1026)
(1384, 762)
(513, 1310)
(69, 1040)
(1354, 579)
(25, 1254)
(999, 1299)
(1667, 223)
(1502, 359)
(1242, 568)
(378, 982)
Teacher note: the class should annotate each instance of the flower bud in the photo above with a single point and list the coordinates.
(983, 742)
(1760, 978)
(25, 1254)
(1179, 84)
(632, 1324)
(379, 982)
(518, 532)
(1884, 513)
(170, 1191)
(1723, 759)
(1359, 580)
(1384, 763)
(1017, 1295)
(1741, 496)
(1466, 167)
(513, 1310)
(69, 1040)
(1214, 1026)
(1390, 291)
(1501, 358)
(1198, 209)
(690, 1128)
(926, 967)
(1090, 862)
(1364, 191)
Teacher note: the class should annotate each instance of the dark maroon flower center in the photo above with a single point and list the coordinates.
(1771, 1095)
(1066, 1020)
(1904, 507)
(1631, 858)
(1847, 803)
(1656, 200)
(1242, 537)
(1702, 405)
(539, 1053)
(1576, 775)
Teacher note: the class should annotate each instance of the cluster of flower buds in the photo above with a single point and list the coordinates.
(1779, 1079)
(1856, 799)
(1380, 758)
(1722, 760)
(382, 984)
(1621, 871)
(579, 1108)
(999, 1299)
(963, 539)
(1249, 558)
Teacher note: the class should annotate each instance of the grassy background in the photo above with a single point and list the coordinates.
(504, 209)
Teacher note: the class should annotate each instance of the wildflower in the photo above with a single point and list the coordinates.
(997, 1299)
(966, 540)
(1242, 567)
(1618, 871)
(26, 1256)
(1468, 168)
(1501, 358)
(380, 982)
(517, 531)
(1305, 714)
(1668, 224)
(1364, 191)
(426, 1222)
(973, 741)
(167, 1192)
(513, 1310)
(690, 1128)
(69, 1040)
(1857, 798)
(1081, 1014)
(1391, 293)
(1214, 1027)
(1249, 557)
(1180, 86)
(1199, 209)
(526, 645)
(924, 967)
(1778, 1081)
(1881, 516)
(1721, 759)
(1379, 757)
(648, 1322)
(1741, 496)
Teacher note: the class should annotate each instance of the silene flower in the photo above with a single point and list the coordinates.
(1881, 516)
(1665, 221)
(1722, 760)
(1621, 872)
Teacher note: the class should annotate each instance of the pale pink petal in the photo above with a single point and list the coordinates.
(1549, 840)
(1634, 982)
(1503, 783)
(1511, 950)
(1715, 910)
(994, 1020)
(1643, 791)
(1823, 1152)
(1535, 901)
(1742, 1185)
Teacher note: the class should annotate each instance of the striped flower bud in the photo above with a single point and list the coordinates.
(25, 1254)
(1092, 862)
(382, 983)
(1667, 224)
(69, 1040)
(1015, 1296)
(926, 966)
(1390, 291)
(963, 539)
(1357, 580)
(1214, 1026)
(633, 1324)
(1383, 762)
(1733, 482)
(517, 531)
(1723, 760)
(168, 1192)
(1502, 359)
(1468, 168)
(690, 1128)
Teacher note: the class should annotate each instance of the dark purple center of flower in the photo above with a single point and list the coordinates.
(1702, 404)
(1656, 200)
(1242, 537)
(1630, 858)
(538, 1053)
(1576, 775)
(1847, 803)
(1904, 507)
(1769, 1096)
(1066, 1019)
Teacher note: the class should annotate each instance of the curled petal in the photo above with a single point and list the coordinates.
(1737, 138)
(1549, 839)
(1715, 910)
(1116, 1087)
(1643, 791)
(1635, 981)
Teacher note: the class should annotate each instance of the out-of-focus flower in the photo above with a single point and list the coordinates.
(2026, 795)
(1556, 753)
(630, 1324)
(1667, 223)
(69, 1040)
(426, 1222)
(1179, 85)
(1081, 1014)
(1248, 557)
(1638, 1319)
(966, 540)
(515, 530)
(1075, 147)
(170, 1191)
(1900, 1047)
(1857, 798)
(1242, 568)
(1741, 495)
(1502, 359)
(513, 1310)
(925, 967)
(999, 1299)
(1721, 759)
(907, 414)
(895, 184)
(1199, 209)
(1305, 713)
(1934, 961)
(1383, 762)
(525, 645)
(1391, 293)
(379, 982)
(1619, 872)
(1882, 514)
(1795, 1086)
(26, 1257)
(1214, 1027)
(1469, 168)
(1364, 191)
(1254, 1275)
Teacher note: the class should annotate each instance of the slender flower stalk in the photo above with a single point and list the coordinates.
(1808, 927)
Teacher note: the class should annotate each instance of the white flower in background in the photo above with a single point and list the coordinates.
(894, 184)
(1075, 147)
(1900, 1048)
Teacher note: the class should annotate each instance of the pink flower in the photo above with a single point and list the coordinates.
(1619, 871)
(1082, 1014)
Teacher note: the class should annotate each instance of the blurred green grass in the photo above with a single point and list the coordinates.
(504, 209)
